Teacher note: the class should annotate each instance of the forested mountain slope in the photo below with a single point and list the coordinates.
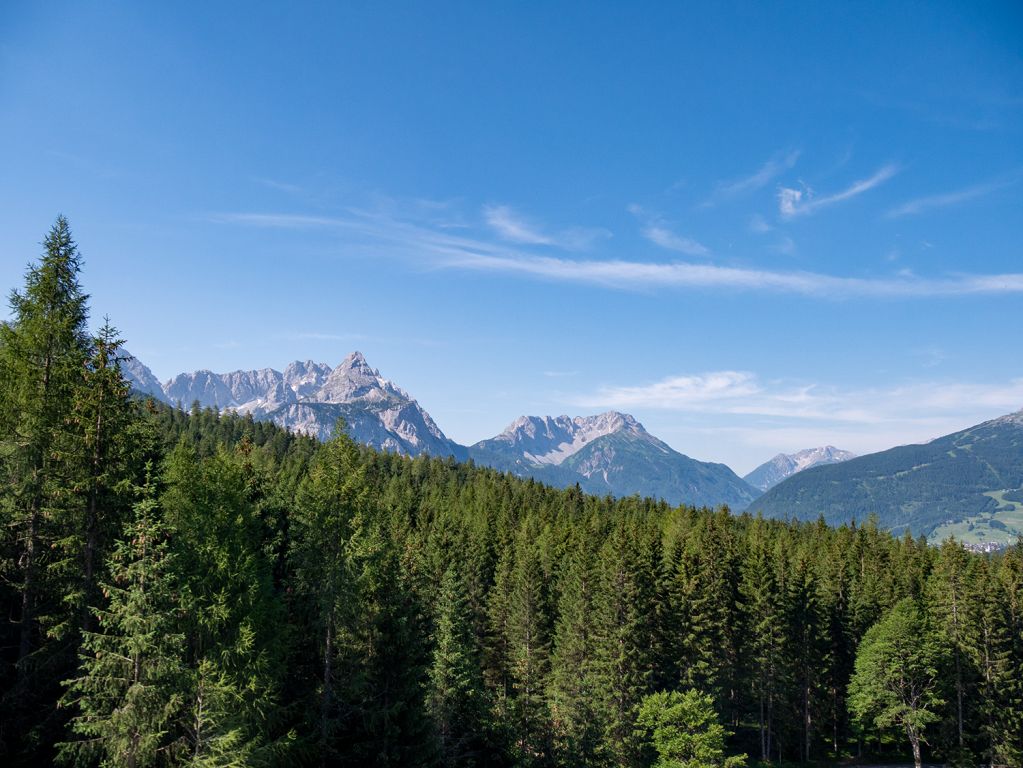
(969, 483)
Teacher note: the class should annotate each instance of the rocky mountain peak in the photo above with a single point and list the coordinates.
(784, 465)
(306, 378)
(354, 379)
(610, 422)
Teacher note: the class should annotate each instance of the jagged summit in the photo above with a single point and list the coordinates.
(609, 453)
(551, 440)
(311, 397)
(783, 466)
(305, 378)
(355, 379)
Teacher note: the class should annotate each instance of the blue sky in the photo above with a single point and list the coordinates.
(757, 227)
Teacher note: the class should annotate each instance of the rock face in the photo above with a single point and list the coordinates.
(141, 378)
(377, 412)
(783, 466)
(310, 397)
(610, 453)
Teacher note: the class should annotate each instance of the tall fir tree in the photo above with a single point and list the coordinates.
(332, 503)
(458, 700)
(529, 639)
(946, 594)
(571, 690)
(764, 643)
(232, 613)
(130, 694)
(623, 654)
(43, 351)
(107, 450)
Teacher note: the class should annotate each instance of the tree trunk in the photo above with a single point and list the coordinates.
(92, 526)
(914, 739)
(28, 592)
(763, 735)
(806, 723)
(328, 673)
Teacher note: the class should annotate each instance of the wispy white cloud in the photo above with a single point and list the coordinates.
(743, 393)
(425, 247)
(777, 165)
(802, 202)
(665, 238)
(509, 225)
(560, 374)
(948, 199)
(632, 274)
(657, 231)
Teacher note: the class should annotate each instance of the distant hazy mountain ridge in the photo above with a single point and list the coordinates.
(783, 466)
(968, 484)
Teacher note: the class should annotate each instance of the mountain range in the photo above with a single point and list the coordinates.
(968, 484)
(610, 453)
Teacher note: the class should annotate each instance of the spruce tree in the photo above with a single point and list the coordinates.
(129, 696)
(622, 644)
(947, 608)
(331, 505)
(528, 641)
(106, 449)
(457, 700)
(232, 615)
(764, 644)
(571, 691)
(43, 351)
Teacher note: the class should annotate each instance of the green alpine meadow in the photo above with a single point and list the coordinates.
(191, 587)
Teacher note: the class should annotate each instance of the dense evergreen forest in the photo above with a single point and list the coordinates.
(187, 587)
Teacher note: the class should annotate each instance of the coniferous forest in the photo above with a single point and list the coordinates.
(182, 587)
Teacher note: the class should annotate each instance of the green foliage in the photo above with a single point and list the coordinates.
(457, 700)
(684, 731)
(131, 687)
(895, 682)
